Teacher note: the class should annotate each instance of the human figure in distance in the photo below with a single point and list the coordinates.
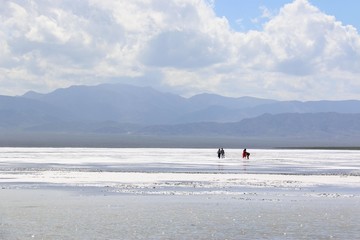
(222, 153)
(219, 153)
(245, 154)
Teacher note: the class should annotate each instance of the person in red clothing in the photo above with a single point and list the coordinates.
(245, 154)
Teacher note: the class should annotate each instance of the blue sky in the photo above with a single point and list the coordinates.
(242, 13)
(286, 50)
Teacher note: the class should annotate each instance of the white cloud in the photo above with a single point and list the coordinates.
(266, 14)
(305, 41)
(302, 44)
(184, 50)
(301, 53)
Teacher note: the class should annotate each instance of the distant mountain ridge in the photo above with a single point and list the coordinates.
(131, 110)
(285, 124)
(145, 105)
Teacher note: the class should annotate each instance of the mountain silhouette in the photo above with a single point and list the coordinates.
(143, 111)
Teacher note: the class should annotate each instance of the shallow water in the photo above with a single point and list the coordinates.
(79, 193)
(340, 162)
(39, 214)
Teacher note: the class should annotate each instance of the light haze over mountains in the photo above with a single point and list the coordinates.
(125, 115)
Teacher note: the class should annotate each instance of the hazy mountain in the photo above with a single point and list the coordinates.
(348, 106)
(121, 103)
(300, 125)
(279, 125)
(206, 100)
(18, 112)
(144, 105)
(124, 110)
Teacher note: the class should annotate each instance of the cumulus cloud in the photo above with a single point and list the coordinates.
(305, 41)
(179, 49)
(300, 53)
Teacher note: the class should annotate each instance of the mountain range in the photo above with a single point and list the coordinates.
(125, 110)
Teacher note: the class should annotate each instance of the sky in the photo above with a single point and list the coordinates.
(285, 50)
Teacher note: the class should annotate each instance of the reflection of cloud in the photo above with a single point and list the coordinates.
(48, 44)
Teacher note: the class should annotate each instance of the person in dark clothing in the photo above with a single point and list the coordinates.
(219, 153)
(222, 153)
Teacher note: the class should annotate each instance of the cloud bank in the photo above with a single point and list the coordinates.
(181, 45)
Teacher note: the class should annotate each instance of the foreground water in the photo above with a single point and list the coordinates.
(62, 215)
(66, 193)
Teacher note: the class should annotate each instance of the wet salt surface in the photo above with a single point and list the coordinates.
(181, 171)
(67, 193)
(49, 214)
(182, 160)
